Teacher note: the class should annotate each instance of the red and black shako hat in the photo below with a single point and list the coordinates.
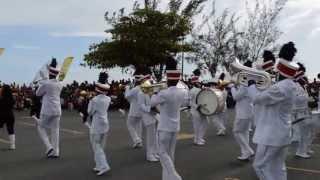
(53, 70)
(171, 70)
(285, 66)
(102, 85)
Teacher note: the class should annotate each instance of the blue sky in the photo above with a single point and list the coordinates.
(32, 31)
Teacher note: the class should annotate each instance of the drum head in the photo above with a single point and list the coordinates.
(208, 100)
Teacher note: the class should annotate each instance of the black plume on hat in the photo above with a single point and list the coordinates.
(248, 64)
(171, 64)
(268, 55)
(103, 78)
(301, 67)
(288, 51)
(197, 72)
(53, 63)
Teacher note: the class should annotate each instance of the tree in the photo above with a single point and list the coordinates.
(215, 44)
(145, 37)
(260, 31)
(222, 39)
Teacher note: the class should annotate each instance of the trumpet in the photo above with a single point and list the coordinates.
(242, 75)
(148, 88)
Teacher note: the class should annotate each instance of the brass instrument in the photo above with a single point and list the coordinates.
(242, 75)
(148, 88)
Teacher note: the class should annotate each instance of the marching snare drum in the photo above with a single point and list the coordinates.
(211, 101)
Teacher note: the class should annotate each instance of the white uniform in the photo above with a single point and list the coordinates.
(149, 122)
(273, 131)
(50, 114)
(243, 120)
(200, 122)
(219, 119)
(170, 101)
(134, 123)
(98, 110)
(301, 111)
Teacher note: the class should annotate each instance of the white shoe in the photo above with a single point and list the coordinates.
(103, 171)
(310, 152)
(36, 119)
(137, 145)
(96, 169)
(243, 158)
(12, 139)
(153, 159)
(304, 156)
(123, 112)
(221, 132)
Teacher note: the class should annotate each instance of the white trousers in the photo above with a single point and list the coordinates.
(200, 124)
(242, 136)
(306, 138)
(134, 125)
(151, 141)
(269, 162)
(52, 124)
(167, 144)
(219, 121)
(98, 142)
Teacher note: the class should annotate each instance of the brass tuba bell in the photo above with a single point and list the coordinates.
(242, 75)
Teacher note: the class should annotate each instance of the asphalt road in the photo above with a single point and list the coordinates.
(215, 161)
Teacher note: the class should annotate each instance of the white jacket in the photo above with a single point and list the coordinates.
(98, 110)
(300, 105)
(132, 96)
(50, 91)
(144, 102)
(274, 125)
(170, 101)
(244, 107)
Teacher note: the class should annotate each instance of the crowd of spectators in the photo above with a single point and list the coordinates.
(71, 94)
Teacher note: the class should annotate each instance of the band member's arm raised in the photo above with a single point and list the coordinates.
(129, 93)
(157, 99)
(41, 90)
(239, 93)
(271, 96)
(142, 103)
(90, 108)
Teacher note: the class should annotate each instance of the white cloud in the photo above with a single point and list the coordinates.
(25, 47)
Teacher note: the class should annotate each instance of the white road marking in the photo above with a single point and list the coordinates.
(70, 131)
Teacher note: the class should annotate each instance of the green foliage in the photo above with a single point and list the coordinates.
(145, 37)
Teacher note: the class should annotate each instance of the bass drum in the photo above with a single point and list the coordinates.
(211, 101)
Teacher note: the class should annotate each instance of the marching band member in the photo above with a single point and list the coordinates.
(170, 101)
(267, 66)
(134, 123)
(244, 118)
(200, 122)
(149, 122)
(6, 113)
(41, 76)
(50, 113)
(219, 119)
(301, 113)
(273, 131)
(83, 107)
(99, 128)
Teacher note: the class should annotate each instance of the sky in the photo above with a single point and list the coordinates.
(34, 31)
